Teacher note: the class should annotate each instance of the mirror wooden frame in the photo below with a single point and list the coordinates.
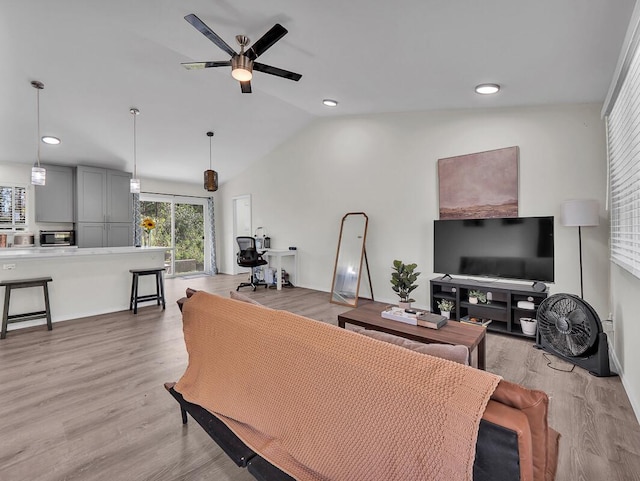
(351, 247)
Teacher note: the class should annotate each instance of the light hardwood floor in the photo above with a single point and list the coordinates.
(85, 401)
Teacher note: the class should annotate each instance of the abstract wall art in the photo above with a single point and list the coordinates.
(480, 185)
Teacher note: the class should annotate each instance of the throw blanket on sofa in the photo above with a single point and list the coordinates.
(324, 403)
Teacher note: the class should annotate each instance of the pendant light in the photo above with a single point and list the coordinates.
(134, 183)
(38, 174)
(210, 176)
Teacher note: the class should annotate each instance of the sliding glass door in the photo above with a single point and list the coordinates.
(189, 237)
(181, 225)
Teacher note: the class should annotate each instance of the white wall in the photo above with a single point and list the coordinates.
(625, 302)
(385, 165)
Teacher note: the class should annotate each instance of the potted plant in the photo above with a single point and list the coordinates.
(446, 306)
(403, 280)
(477, 296)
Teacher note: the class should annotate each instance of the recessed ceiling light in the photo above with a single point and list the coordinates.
(487, 89)
(330, 102)
(48, 139)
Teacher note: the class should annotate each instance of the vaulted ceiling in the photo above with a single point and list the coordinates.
(99, 58)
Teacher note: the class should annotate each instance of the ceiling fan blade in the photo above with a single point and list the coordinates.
(210, 34)
(245, 87)
(201, 65)
(267, 40)
(260, 67)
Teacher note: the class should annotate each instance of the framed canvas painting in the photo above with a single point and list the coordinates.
(479, 186)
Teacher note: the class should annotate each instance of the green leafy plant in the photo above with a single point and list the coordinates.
(446, 305)
(481, 296)
(403, 280)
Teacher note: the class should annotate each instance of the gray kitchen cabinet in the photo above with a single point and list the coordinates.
(119, 234)
(119, 197)
(91, 234)
(103, 195)
(54, 200)
(104, 234)
(104, 207)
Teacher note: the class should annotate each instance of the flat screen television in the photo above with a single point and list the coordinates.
(510, 248)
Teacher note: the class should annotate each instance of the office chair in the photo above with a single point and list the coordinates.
(248, 256)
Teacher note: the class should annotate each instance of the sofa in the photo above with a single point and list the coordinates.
(293, 398)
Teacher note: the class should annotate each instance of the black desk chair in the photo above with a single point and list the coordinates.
(248, 256)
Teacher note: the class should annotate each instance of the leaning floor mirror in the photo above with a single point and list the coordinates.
(351, 252)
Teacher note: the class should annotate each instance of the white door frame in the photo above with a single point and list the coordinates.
(234, 246)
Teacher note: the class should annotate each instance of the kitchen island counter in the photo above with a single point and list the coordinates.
(66, 251)
(86, 281)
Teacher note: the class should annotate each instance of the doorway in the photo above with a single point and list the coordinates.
(181, 225)
(241, 225)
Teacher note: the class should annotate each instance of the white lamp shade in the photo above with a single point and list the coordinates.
(580, 213)
(38, 175)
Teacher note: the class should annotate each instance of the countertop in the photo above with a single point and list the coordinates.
(54, 252)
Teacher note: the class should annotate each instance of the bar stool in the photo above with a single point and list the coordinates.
(158, 296)
(27, 316)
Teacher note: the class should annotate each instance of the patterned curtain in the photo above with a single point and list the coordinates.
(213, 265)
(137, 230)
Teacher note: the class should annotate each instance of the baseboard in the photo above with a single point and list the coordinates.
(635, 405)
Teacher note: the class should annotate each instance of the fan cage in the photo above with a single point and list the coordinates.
(568, 324)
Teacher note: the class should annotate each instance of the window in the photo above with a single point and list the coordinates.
(13, 206)
(622, 112)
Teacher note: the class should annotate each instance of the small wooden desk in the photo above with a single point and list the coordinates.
(279, 254)
(367, 315)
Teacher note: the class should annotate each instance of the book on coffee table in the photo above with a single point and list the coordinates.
(420, 318)
(430, 320)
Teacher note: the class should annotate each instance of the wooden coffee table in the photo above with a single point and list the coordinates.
(367, 315)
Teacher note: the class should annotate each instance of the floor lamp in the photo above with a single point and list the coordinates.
(580, 213)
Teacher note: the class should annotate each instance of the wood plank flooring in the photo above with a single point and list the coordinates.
(85, 401)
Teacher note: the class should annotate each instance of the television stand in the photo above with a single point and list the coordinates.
(502, 302)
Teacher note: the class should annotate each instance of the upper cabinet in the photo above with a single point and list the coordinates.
(103, 195)
(54, 200)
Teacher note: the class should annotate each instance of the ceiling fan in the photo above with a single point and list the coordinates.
(242, 64)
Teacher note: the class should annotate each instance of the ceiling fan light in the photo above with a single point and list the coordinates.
(241, 75)
(487, 89)
(241, 68)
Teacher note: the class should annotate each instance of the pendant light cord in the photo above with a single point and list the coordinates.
(38, 116)
(133, 111)
(135, 170)
(210, 162)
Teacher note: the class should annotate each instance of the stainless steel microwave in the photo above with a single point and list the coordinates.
(52, 238)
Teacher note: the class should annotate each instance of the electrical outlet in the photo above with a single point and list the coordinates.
(8, 266)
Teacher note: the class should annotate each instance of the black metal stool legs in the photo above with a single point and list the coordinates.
(158, 296)
(27, 316)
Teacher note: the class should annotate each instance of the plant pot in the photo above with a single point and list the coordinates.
(404, 305)
(528, 326)
(473, 300)
(446, 314)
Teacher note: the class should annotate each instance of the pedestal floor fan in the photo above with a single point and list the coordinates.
(568, 327)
